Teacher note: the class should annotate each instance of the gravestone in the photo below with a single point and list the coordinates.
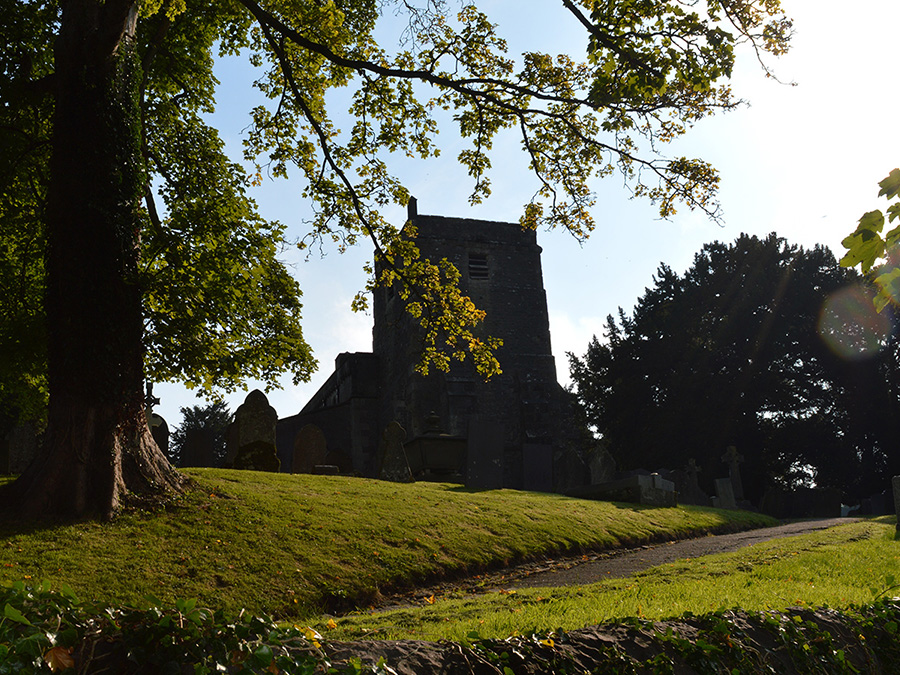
(569, 470)
(341, 460)
(435, 455)
(394, 465)
(601, 465)
(724, 498)
(878, 504)
(692, 469)
(637, 488)
(484, 463)
(688, 485)
(733, 459)
(255, 420)
(310, 449)
(326, 470)
(160, 432)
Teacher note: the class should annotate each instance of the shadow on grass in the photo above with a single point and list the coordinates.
(14, 524)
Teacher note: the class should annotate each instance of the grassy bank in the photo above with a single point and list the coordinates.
(836, 567)
(294, 545)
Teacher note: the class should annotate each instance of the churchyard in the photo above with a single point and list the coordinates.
(296, 545)
(319, 554)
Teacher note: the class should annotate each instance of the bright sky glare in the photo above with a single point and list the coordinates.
(802, 161)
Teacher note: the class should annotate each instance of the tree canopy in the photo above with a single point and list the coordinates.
(105, 140)
(742, 350)
(219, 306)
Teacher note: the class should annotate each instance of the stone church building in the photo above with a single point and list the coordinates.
(511, 431)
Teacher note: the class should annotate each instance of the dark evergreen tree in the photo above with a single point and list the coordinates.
(730, 353)
(200, 439)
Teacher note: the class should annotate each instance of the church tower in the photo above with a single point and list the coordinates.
(511, 422)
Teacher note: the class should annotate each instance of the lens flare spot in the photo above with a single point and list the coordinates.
(850, 325)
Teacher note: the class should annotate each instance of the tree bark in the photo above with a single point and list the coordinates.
(98, 446)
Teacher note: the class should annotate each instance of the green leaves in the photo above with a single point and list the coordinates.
(13, 614)
(875, 254)
(865, 245)
(890, 186)
(448, 319)
(220, 306)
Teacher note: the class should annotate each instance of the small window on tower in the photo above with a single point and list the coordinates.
(478, 266)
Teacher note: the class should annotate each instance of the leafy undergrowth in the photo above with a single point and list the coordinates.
(46, 631)
(294, 546)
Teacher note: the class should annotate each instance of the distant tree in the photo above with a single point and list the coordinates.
(200, 438)
(732, 353)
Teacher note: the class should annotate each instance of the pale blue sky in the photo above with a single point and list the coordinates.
(802, 161)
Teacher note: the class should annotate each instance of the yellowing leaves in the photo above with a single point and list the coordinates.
(59, 659)
(314, 638)
(890, 186)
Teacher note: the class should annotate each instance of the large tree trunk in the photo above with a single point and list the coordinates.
(98, 446)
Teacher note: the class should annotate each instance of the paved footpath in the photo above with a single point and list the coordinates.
(623, 563)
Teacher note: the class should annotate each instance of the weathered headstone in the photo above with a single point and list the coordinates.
(724, 498)
(895, 483)
(637, 488)
(394, 465)
(484, 463)
(569, 470)
(692, 469)
(878, 504)
(733, 459)
(255, 420)
(326, 470)
(160, 432)
(341, 460)
(686, 485)
(310, 449)
(601, 465)
(435, 455)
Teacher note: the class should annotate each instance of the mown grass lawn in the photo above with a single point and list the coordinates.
(292, 546)
(838, 567)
